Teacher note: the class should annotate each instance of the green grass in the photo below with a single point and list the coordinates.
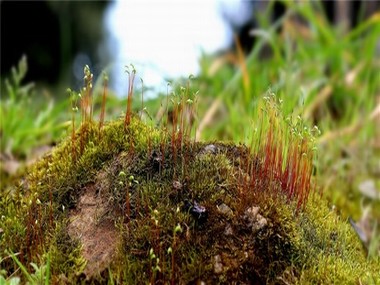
(300, 67)
(28, 120)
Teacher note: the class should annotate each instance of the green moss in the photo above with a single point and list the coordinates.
(177, 211)
(334, 251)
(65, 252)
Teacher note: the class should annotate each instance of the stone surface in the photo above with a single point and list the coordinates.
(224, 209)
(218, 266)
(228, 230)
(254, 219)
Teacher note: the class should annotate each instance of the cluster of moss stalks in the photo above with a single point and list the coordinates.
(180, 211)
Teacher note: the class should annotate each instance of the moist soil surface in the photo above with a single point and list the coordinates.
(97, 235)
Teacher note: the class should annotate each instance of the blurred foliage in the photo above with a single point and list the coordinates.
(307, 62)
(27, 121)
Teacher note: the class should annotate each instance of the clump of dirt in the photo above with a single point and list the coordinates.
(97, 234)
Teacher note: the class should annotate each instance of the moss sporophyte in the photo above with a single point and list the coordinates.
(126, 202)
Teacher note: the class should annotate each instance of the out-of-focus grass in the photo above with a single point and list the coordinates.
(33, 120)
(27, 120)
(31, 123)
(318, 72)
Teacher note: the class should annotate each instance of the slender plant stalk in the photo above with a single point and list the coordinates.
(131, 79)
(104, 99)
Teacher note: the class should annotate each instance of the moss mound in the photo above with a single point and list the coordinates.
(132, 205)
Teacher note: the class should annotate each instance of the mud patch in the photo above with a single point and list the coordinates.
(96, 233)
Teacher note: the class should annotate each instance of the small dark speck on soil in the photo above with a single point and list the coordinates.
(199, 213)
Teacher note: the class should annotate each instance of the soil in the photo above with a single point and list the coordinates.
(96, 233)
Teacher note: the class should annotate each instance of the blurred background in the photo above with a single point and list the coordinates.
(321, 58)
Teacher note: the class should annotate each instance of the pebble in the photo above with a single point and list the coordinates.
(224, 209)
(254, 219)
(218, 266)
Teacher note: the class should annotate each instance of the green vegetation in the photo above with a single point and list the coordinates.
(159, 206)
(128, 202)
(29, 124)
(328, 78)
(30, 121)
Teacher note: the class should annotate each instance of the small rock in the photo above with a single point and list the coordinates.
(218, 266)
(260, 223)
(254, 219)
(228, 230)
(197, 211)
(177, 185)
(210, 148)
(251, 213)
(224, 209)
